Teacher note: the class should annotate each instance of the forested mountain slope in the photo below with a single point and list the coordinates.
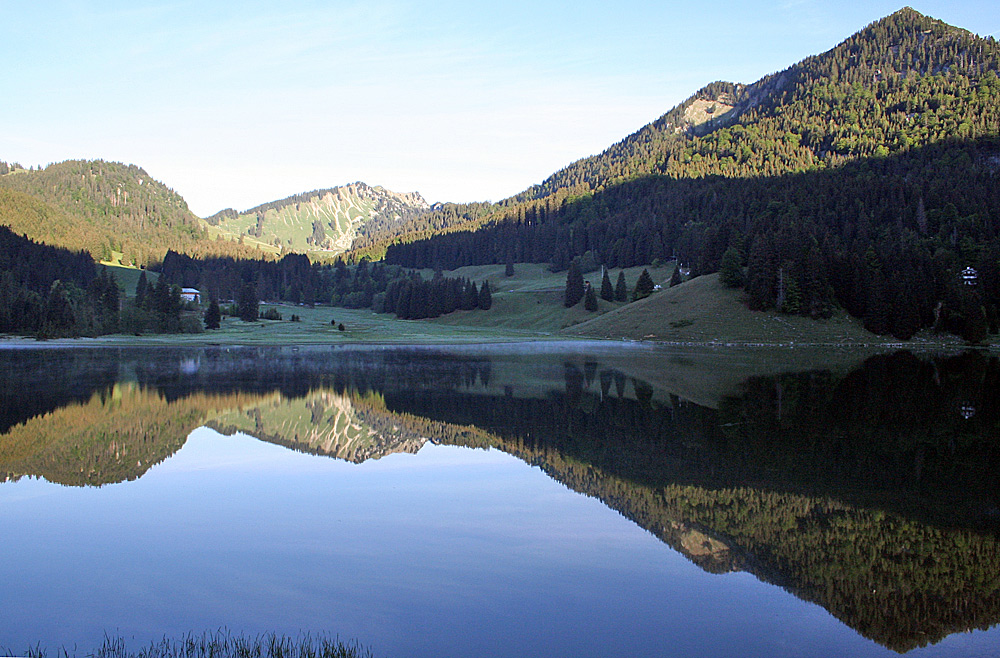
(866, 176)
(907, 80)
(109, 207)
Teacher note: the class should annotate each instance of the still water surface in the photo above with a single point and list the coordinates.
(558, 500)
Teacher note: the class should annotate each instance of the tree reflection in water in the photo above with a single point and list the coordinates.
(873, 494)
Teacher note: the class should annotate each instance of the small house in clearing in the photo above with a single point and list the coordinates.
(970, 276)
(191, 295)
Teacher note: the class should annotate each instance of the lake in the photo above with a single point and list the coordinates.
(558, 499)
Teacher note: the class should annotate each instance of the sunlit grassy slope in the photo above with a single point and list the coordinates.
(532, 299)
(703, 310)
(529, 306)
(128, 277)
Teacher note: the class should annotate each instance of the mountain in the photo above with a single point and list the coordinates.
(869, 96)
(352, 428)
(117, 211)
(99, 207)
(326, 221)
(864, 177)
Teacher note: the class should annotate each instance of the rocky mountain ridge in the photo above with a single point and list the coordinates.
(326, 220)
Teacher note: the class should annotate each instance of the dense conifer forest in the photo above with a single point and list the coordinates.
(865, 177)
(50, 292)
(294, 279)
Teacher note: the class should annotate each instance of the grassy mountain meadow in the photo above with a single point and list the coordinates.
(320, 222)
(848, 195)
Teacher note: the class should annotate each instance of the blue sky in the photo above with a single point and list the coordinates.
(235, 104)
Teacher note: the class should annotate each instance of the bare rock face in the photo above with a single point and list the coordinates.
(710, 553)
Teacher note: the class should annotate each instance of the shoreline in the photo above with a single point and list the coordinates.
(11, 341)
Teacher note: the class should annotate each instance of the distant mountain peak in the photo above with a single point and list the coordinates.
(324, 220)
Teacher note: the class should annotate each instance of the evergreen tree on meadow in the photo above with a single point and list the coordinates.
(159, 299)
(247, 302)
(213, 316)
(621, 288)
(590, 299)
(574, 286)
(643, 286)
(141, 290)
(607, 290)
(485, 297)
(675, 278)
(470, 296)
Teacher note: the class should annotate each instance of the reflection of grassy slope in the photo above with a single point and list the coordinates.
(322, 423)
(706, 375)
(112, 437)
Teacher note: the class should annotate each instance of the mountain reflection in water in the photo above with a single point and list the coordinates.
(874, 494)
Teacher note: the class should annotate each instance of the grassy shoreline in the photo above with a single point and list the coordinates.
(527, 307)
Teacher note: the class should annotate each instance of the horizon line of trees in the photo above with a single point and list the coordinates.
(294, 279)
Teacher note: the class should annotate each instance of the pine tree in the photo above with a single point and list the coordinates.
(730, 270)
(213, 316)
(141, 290)
(675, 278)
(621, 288)
(574, 286)
(485, 297)
(607, 290)
(590, 299)
(975, 326)
(247, 302)
(470, 297)
(643, 286)
(58, 319)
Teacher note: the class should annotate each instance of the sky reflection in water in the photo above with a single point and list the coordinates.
(450, 551)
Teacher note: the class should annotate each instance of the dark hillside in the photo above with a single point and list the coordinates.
(865, 176)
